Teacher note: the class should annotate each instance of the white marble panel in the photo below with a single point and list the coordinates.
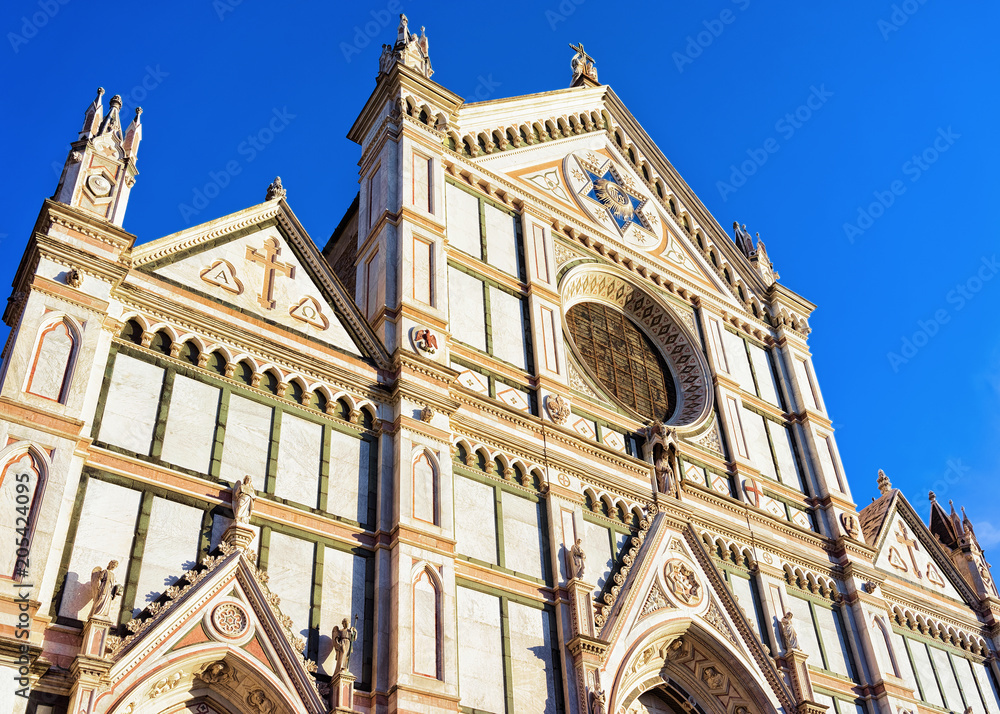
(507, 328)
(781, 437)
(736, 357)
(833, 642)
(475, 520)
(946, 676)
(925, 672)
(349, 476)
(522, 539)
(290, 563)
(52, 362)
(423, 261)
(765, 375)
(805, 629)
(501, 240)
(987, 688)
(805, 383)
(132, 402)
(760, 450)
(105, 532)
(531, 659)
(903, 661)
(343, 596)
(421, 182)
(480, 653)
(171, 548)
(597, 546)
(467, 309)
(190, 432)
(743, 592)
(300, 450)
(824, 447)
(247, 442)
(463, 221)
(967, 679)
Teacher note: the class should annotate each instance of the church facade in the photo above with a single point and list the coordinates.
(532, 433)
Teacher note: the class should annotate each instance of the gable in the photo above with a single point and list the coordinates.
(257, 267)
(905, 552)
(588, 178)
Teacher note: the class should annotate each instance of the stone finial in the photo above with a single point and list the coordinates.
(112, 123)
(133, 135)
(275, 190)
(93, 116)
(932, 496)
(884, 485)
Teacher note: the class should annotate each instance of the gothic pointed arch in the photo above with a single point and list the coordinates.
(55, 354)
(23, 477)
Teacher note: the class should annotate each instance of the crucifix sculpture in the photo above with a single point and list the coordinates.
(269, 259)
(902, 537)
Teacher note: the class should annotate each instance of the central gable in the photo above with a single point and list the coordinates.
(257, 267)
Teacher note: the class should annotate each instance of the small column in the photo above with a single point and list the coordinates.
(586, 648)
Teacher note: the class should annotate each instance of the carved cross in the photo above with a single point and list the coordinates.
(269, 259)
(910, 544)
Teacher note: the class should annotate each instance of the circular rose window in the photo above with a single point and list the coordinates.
(623, 359)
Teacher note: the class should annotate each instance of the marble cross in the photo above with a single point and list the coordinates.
(269, 259)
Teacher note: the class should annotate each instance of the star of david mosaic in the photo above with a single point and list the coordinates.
(612, 199)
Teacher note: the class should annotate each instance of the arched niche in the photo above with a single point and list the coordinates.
(23, 473)
(54, 358)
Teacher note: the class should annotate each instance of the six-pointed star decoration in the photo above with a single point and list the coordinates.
(623, 205)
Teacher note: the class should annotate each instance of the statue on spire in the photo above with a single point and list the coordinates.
(757, 255)
(584, 72)
(884, 485)
(409, 50)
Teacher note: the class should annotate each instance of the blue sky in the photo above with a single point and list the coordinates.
(858, 139)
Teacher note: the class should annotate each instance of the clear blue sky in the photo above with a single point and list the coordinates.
(904, 107)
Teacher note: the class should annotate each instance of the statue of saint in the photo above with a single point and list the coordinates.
(599, 704)
(343, 643)
(243, 497)
(103, 589)
(788, 633)
(664, 473)
(579, 558)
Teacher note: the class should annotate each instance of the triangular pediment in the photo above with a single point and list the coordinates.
(907, 551)
(260, 262)
(673, 608)
(219, 634)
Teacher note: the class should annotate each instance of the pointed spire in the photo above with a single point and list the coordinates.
(92, 117)
(955, 520)
(408, 50)
(275, 190)
(884, 485)
(112, 123)
(133, 136)
(966, 523)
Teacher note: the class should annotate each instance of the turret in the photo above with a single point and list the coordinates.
(100, 169)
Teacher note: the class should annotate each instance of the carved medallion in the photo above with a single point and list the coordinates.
(683, 582)
(424, 341)
(221, 274)
(230, 619)
(99, 185)
(558, 408)
(850, 523)
(309, 311)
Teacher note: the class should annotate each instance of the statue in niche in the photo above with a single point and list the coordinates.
(243, 497)
(579, 558)
(788, 634)
(103, 589)
(661, 445)
(598, 704)
(343, 643)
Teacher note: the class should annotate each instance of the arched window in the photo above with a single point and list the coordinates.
(52, 366)
(20, 481)
(425, 488)
(426, 626)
